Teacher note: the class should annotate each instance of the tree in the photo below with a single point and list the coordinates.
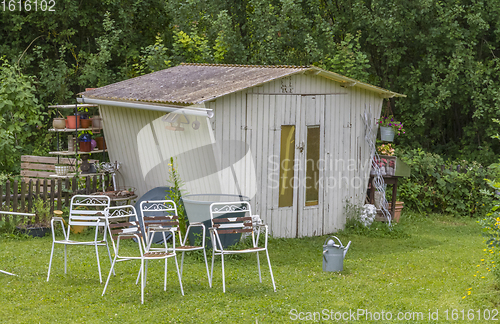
(20, 115)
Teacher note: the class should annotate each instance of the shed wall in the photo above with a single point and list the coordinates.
(255, 117)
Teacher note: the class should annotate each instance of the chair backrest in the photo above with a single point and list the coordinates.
(231, 217)
(159, 213)
(87, 210)
(123, 220)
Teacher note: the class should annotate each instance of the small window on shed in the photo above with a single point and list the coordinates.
(287, 157)
(312, 165)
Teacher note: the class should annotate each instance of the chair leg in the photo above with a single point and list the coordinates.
(206, 265)
(98, 263)
(258, 266)
(145, 273)
(271, 270)
(109, 275)
(50, 262)
(142, 281)
(65, 257)
(179, 275)
(109, 254)
(212, 269)
(138, 276)
(223, 277)
(165, 275)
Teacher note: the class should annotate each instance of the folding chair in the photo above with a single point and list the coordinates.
(122, 223)
(85, 210)
(236, 217)
(163, 213)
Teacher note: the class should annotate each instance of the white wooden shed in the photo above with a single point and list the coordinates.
(290, 138)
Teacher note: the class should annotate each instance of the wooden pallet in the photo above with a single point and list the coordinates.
(42, 167)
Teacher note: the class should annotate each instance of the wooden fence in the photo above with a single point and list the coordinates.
(20, 196)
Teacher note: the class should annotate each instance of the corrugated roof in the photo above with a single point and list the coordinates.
(189, 84)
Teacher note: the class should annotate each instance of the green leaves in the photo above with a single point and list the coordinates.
(437, 186)
(20, 114)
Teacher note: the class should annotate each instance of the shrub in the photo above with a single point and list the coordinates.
(436, 185)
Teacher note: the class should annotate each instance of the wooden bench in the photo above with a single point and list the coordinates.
(42, 167)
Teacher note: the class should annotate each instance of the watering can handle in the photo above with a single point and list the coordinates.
(340, 243)
(347, 248)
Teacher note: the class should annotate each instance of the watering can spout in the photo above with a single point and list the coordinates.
(347, 248)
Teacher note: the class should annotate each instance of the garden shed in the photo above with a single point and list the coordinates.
(291, 138)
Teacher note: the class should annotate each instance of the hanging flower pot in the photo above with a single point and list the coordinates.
(389, 127)
(387, 134)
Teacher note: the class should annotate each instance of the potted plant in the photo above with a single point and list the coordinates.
(62, 169)
(38, 225)
(389, 127)
(85, 145)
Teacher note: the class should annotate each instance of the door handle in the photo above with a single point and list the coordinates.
(301, 147)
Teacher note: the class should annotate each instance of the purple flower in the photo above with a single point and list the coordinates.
(390, 124)
(392, 119)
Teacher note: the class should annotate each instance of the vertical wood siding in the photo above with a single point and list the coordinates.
(255, 117)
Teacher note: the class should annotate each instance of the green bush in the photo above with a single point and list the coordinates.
(430, 188)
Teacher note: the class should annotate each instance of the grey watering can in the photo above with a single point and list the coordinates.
(334, 254)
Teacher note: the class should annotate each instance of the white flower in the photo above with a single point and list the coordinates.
(368, 214)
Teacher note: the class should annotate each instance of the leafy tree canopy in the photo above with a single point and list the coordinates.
(442, 54)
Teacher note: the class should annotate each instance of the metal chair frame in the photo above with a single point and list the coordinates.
(120, 227)
(85, 210)
(236, 224)
(153, 213)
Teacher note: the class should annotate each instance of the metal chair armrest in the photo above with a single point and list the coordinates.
(52, 226)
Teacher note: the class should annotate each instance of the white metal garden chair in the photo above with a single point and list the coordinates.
(122, 223)
(163, 213)
(85, 210)
(232, 218)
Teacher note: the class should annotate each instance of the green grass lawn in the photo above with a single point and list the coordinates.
(427, 269)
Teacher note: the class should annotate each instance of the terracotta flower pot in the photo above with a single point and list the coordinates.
(86, 123)
(101, 143)
(397, 210)
(73, 122)
(85, 146)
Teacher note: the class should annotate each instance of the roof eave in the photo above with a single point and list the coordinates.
(350, 82)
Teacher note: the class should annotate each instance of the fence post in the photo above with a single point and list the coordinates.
(66, 192)
(15, 191)
(52, 194)
(74, 185)
(94, 184)
(37, 189)
(45, 190)
(87, 185)
(23, 196)
(7, 197)
(30, 195)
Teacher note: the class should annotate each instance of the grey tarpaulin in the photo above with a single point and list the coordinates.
(158, 193)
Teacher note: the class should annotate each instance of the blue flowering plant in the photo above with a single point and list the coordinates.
(389, 121)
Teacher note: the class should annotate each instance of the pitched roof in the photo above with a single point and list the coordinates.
(189, 84)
